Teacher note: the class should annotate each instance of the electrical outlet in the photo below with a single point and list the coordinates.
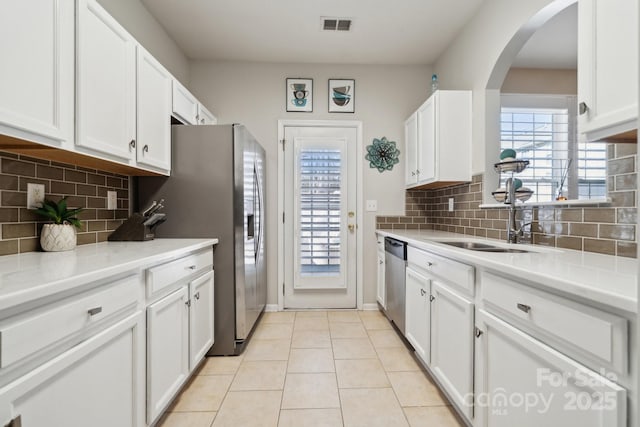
(372, 205)
(450, 204)
(112, 200)
(35, 195)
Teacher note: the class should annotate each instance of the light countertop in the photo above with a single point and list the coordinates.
(32, 275)
(603, 279)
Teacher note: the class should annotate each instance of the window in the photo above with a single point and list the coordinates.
(320, 211)
(542, 129)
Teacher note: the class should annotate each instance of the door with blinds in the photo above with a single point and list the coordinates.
(320, 217)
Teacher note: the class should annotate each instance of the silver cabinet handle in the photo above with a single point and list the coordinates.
(132, 144)
(417, 171)
(192, 267)
(431, 298)
(429, 264)
(381, 262)
(145, 149)
(422, 292)
(94, 311)
(523, 307)
(413, 173)
(187, 303)
(582, 108)
(197, 295)
(478, 332)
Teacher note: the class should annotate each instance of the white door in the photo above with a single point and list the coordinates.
(514, 368)
(96, 383)
(418, 314)
(200, 318)
(452, 344)
(427, 140)
(36, 76)
(154, 106)
(105, 83)
(320, 217)
(167, 350)
(411, 149)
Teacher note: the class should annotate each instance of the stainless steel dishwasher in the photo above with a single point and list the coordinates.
(395, 258)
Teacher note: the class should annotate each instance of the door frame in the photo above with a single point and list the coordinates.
(347, 124)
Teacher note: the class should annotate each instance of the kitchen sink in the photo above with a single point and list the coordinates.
(484, 247)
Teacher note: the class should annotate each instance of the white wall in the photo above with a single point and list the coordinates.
(254, 94)
(137, 20)
(479, 59)
(542, 81)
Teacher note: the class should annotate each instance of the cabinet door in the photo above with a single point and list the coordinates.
(167, 350)
(522, 382)
(201, 321)
(205, 117)
(185, 105)
(381, 284)
(452, 344)
(607, 66)
(97, 383)
(36, 76)
(106, 83)
(153, 113)
(411, 149)
(418, 314)
(427, 150)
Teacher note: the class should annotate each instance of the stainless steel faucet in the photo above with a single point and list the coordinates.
(513, 232)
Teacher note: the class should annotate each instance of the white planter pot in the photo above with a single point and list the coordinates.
(58, 237)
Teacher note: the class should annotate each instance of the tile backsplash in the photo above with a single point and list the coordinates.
(608, 229)
(86, 188)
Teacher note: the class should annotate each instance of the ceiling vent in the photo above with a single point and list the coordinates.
(336, 24)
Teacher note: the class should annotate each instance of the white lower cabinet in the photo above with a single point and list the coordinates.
(418, 313)
(452, 345)
(522, 382)
(201, 322)
(95, 383)
(167, 350)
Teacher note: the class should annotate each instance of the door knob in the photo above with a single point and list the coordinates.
(351, 227)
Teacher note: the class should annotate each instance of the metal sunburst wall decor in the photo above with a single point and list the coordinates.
(382, 154)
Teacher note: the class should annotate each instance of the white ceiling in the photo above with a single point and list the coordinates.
(383, 31)
(555, 45)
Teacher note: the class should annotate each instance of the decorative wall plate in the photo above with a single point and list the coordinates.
(382, 154)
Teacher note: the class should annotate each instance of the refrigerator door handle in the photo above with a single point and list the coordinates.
(257, 208)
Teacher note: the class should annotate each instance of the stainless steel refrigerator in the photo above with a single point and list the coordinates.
(216, 189)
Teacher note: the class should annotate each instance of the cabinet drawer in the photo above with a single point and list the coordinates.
(26, 334)
(167, 274)
(586, 333)
(453, 272)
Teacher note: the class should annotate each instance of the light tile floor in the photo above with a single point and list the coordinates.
(312, 369)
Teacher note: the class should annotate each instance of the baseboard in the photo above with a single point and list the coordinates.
(271, 308)
(370, 306)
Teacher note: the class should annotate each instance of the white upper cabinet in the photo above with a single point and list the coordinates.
(105, 84)
(153, 113)
(411, 149)
(607, 68)
(442, 153)
(206, 117)
(37, 76)
(185, 105)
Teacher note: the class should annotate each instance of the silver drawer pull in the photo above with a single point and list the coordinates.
(478, 332)
(523, 307)
(431, 298)
(429, 264)
(197, 295)
(94, 311)
(422, 292)
(192, 267)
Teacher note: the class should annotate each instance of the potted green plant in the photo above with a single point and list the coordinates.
(61, 235)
